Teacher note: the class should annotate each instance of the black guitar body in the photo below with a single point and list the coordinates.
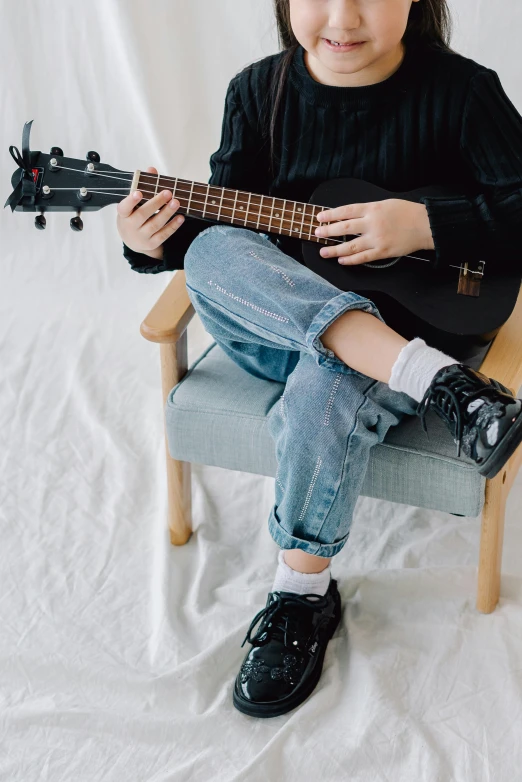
(413, 299)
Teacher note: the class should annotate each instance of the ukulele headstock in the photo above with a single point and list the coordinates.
(55, 183)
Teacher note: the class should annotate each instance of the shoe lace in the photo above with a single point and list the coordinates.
(273, 618)
(449, 395)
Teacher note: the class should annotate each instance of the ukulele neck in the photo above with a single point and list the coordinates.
(224, 205)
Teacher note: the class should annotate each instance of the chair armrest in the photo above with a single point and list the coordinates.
(503, 361)
(170, 316)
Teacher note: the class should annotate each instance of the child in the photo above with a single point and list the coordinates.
(402, 110)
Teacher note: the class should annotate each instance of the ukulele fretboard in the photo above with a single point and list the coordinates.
(273, 215)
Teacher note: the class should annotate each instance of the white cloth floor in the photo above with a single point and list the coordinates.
(118, 651)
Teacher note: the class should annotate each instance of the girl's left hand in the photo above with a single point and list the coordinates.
(387, 229)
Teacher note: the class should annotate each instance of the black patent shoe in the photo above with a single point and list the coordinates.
(482, 414)
(286, 659)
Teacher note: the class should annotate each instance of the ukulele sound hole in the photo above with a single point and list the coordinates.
(375, 265)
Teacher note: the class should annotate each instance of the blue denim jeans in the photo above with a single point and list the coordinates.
(267, 312)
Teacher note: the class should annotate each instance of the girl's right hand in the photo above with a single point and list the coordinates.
(140, 228)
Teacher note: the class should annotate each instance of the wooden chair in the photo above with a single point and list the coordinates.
(167, 324)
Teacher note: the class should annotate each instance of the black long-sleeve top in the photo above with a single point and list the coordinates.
(441, 118)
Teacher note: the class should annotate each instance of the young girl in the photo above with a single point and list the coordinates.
(398, 108)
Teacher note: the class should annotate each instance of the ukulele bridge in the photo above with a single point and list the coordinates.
(469, 279)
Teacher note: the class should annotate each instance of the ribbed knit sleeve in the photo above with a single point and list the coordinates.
(485, 224)
(238, 163)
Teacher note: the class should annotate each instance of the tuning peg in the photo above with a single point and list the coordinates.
(76, 223)
(93, 157)
(40, 222)
(56, 151)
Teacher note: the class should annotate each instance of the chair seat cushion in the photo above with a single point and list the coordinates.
(217, 415)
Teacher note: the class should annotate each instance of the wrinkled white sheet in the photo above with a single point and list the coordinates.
(118, 652)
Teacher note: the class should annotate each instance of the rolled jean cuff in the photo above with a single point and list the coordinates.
(325, 317)
(285, 540)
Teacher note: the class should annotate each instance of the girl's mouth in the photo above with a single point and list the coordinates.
(336, 47)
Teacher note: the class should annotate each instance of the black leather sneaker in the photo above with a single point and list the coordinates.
(482, 414)
(286, 659)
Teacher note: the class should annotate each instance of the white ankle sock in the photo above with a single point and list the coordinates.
(416, 366)
(289, 580)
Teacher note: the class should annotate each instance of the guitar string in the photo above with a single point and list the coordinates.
(196, 202)
(260, 224)
(178, 179)
(153, 193)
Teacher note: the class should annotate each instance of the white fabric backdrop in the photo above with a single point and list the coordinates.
(118, 652)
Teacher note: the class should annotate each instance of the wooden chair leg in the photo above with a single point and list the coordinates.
(491, 540)
(492, 535)
(174, 366)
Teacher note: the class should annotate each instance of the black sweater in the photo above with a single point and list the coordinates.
(441, 118)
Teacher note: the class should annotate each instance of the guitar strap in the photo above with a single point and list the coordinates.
(26, 187)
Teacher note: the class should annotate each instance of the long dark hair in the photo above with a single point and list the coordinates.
(429, 22)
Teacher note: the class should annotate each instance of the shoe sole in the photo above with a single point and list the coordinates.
(277, 708)
(504, 450)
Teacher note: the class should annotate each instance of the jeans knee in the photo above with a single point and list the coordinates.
(206, 253)
(196, 260)
(216, 248)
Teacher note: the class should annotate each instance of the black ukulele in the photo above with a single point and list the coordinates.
(458, 309)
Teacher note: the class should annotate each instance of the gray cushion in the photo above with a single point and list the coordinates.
(217, 415)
